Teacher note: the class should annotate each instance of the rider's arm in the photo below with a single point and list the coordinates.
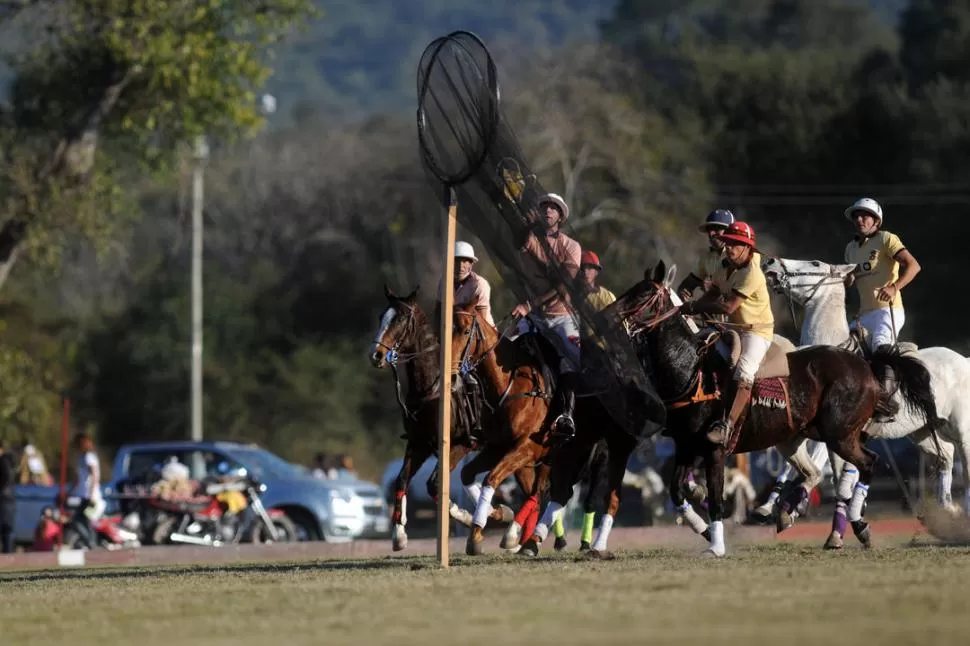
(688, 285)
(908, 268)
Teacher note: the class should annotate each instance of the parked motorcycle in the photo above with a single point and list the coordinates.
(221, 517)
(53, 529)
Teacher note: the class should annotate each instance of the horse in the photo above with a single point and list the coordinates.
(518, 388)
(818, 288)
(824, 393)
(405, 336)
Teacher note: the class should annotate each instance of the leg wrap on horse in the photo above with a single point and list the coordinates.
(847, 482)
(602, 538)
(692, 518)
(474, 491)
(588, 518)
(839, 519)
(858, 500)
(484, 507)
(553, 511)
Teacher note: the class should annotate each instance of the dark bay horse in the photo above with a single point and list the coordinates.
(829, 396)
(406, 337)
(519, 389)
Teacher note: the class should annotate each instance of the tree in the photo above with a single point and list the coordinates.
(115, 86)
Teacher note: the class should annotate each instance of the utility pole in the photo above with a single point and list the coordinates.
(201, 154)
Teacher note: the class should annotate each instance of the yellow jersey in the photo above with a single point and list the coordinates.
(755, 308)
(878, 267)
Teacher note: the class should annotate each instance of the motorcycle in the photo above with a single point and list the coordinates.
(219, 519)
(54, 529)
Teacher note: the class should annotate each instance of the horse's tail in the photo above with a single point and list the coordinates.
(912, 380)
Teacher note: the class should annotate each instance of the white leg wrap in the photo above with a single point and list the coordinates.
(484, 507)
(717, 538)
(820, 453)
(606, 524)
(858, 498)
(692, 518)
(944, 488)
(772, 497)
(847, 481)
(553, 511)
(404, 510)
(474, 491)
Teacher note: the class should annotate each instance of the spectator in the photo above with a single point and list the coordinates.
(33, 468)
(7, 500)
(88, 489)
(323, 467)
(346, 468)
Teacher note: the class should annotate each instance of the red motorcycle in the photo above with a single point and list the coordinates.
(53, 530)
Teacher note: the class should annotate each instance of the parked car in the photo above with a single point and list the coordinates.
(331, 510)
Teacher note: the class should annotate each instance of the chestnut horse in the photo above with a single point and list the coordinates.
(406, 337)
(829, 396)
(517, 393)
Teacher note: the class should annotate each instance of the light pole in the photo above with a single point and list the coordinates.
(201, 155)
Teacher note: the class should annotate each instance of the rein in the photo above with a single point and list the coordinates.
(395, 356)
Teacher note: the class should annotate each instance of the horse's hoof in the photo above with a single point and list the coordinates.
(713, 552)
(511, 537)
(560, 543)
(474, 547)
(699, 494)
(863, 532)
(460, 515)
(584, 546)
(529, 548)
(784, 521)
(399, 539)
(834, 541)
(601, 555)
(507, 514)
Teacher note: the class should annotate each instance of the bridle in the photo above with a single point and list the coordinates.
(784, 282)
(654, 305)
(395, 356)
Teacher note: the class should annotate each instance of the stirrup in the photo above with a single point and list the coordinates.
(719, 433)
(564, 427)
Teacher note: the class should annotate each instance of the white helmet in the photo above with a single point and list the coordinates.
(556, 199)
(464, 250)
(868, 205)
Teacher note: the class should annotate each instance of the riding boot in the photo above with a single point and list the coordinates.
(722, 431)
(564, 427)
(887, 408)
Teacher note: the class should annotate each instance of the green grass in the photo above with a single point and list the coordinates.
(779, 594)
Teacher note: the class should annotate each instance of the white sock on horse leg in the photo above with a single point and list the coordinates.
(944, 490)
(858, 498)
(717, 537)
(847, 481)
(484, 507)
(404, 509)
(606, 524)
(474, 491)
(692, 518)
(553, 511)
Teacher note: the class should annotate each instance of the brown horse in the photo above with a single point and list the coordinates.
(517, 393)
(406, 337)
(821, 392)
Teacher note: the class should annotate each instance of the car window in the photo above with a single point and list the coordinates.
(147, 465)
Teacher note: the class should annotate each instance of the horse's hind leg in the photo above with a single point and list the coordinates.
(792, 504)
(851, 450)
(618, 455)
(455, 455)
(530, 482)
(414, 456)
(523, 454)
(567, 464)
(683, 464)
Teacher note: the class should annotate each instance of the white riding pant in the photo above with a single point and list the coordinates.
(753, 351)
(567, 331)
(879, 324)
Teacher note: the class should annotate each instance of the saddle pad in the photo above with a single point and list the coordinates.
(770, 393)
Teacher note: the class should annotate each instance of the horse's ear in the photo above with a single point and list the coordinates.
(659, 272)
(844, 270)
(388, 293)
(669, 276)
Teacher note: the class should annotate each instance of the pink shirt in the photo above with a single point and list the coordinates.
(566, 251)
(473, 289)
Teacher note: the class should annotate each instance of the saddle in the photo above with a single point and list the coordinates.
(775, 363)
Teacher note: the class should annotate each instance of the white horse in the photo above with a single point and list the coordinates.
(819, 289)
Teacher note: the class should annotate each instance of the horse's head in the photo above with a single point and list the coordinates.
(397, 328)
(650, 301)
(802, 280)
(469, 339)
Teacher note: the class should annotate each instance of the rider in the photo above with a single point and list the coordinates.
(469, 286)
(708, 264)
(554, 310)
(741, 292)
(883, 267)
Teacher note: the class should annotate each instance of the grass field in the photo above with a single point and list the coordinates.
(776, 594)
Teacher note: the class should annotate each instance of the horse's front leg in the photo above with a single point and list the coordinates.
(618, 455)
(414, 456)
(524, 453)
(714, 468)
(679, 491)
(455, 455)
(531, 481)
